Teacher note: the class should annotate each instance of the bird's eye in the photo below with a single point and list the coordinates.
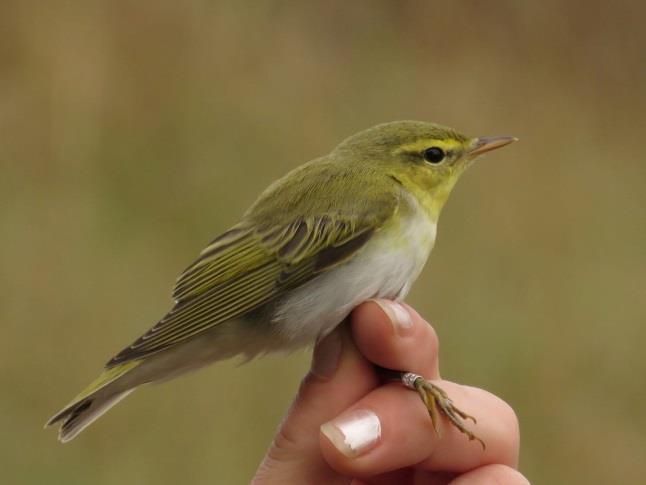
(434, 155)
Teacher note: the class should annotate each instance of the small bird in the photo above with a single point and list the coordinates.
(356, 224)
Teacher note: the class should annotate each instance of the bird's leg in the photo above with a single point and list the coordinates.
(436, 401)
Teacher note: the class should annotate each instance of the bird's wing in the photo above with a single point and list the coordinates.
(252, 264)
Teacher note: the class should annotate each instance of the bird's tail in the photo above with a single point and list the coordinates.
(93, 401)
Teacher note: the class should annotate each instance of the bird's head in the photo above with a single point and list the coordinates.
(427, 159)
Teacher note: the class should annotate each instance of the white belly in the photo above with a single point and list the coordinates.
(385, 268)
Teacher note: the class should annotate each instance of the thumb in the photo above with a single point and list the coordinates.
(339, 376)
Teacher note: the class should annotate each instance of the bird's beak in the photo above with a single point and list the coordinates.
(487, 143)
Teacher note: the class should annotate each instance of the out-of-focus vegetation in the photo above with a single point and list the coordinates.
(131, 133)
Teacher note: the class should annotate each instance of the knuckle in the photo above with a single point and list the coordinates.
(286, 440)
(282, 453)
(509, 434)
(502, 428)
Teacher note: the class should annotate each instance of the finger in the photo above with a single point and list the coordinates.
(485, 475)
(394, 336)
(405, 476)
(390, 429)
(339, 376)
(491, 475)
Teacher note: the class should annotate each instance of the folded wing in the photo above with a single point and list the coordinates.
(249, 266)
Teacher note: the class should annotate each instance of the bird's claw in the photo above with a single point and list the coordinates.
(437, 400)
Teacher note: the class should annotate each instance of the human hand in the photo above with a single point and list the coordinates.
(345, 426)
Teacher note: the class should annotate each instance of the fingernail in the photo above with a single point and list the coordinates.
(398, 315)
(353, 433)
(327, 353)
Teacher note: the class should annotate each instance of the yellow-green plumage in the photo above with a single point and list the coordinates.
(355, 224)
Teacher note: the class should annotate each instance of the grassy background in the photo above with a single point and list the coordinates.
(131, 133)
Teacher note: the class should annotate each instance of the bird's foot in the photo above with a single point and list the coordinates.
(437, 400)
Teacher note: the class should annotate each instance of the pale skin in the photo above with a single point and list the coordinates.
(343, 383)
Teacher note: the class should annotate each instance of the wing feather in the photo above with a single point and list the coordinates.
(252, 264)
(220, 260)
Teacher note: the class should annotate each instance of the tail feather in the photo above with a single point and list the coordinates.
(93, 401)
(85, 413)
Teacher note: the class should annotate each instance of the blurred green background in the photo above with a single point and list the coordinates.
(131, 133)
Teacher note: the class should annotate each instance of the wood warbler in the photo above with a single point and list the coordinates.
(356, 224)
